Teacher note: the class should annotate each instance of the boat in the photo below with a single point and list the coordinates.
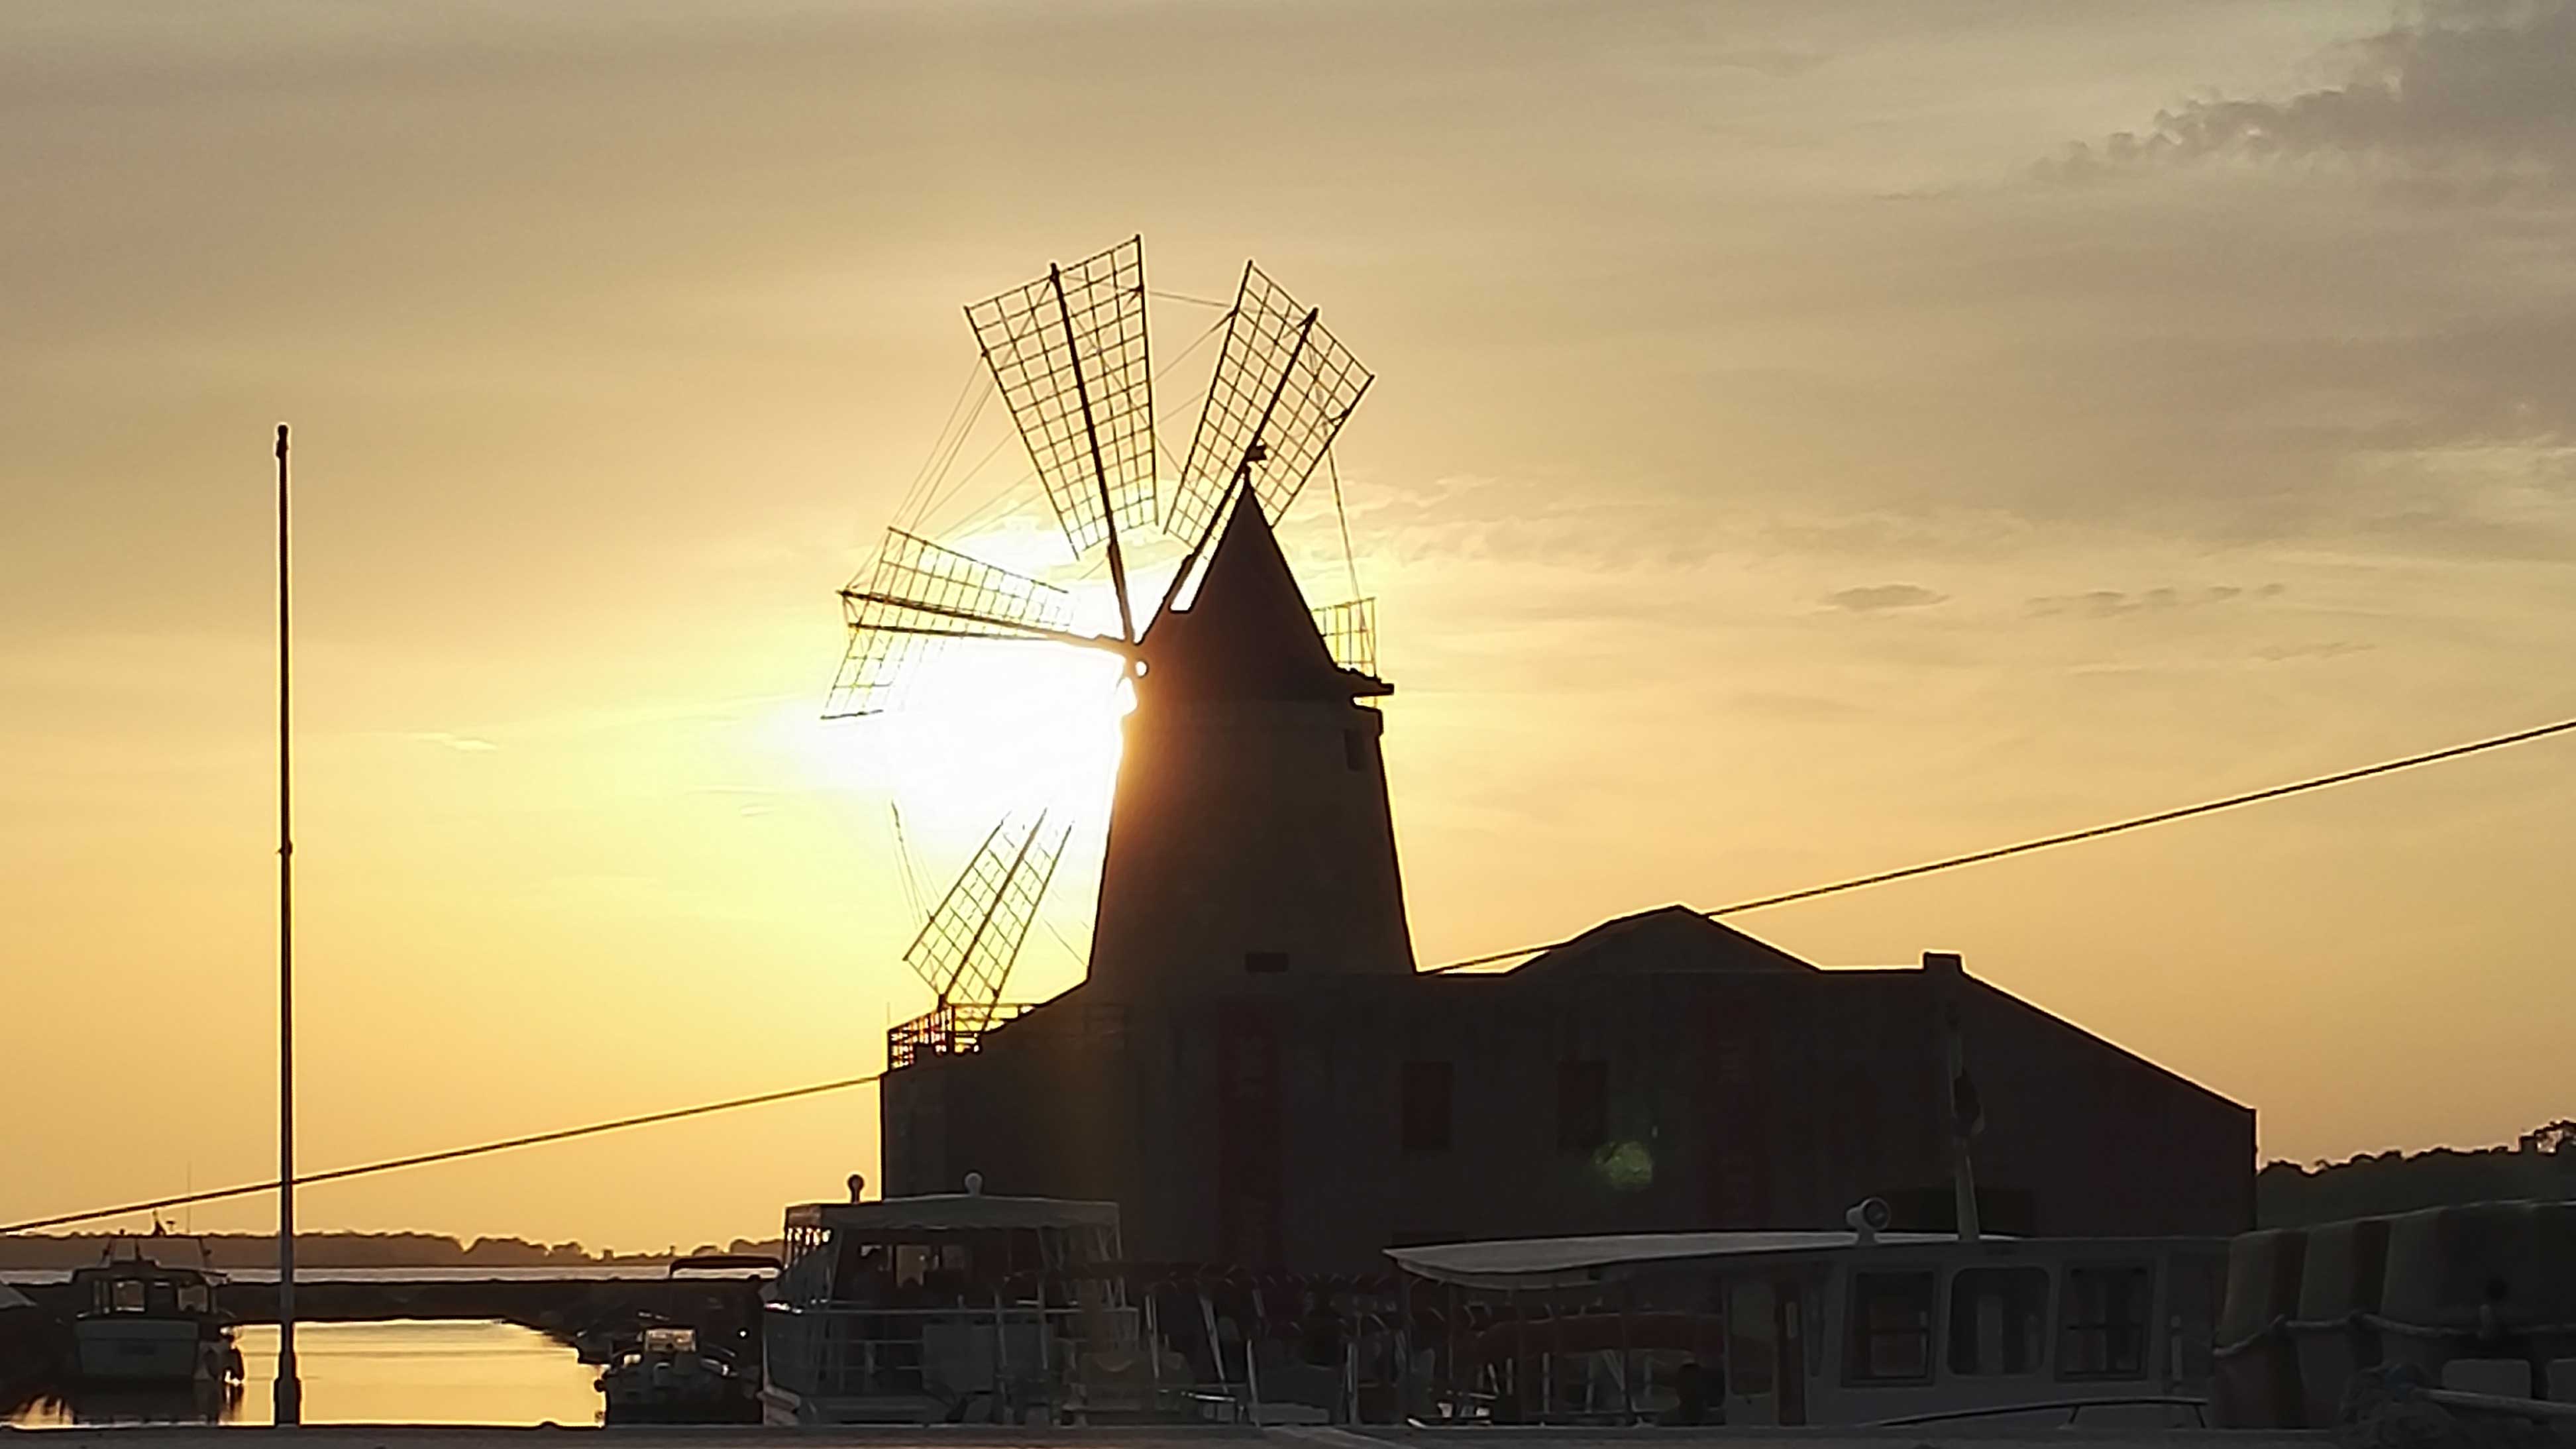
(1860, 1328)
(944, 1307)
(668, 1379)
(138, 1319)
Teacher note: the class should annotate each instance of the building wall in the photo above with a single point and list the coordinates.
(1265, 1128)
(1190, 889)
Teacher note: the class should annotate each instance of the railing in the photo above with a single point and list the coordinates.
(2073, 1409)
(947, 1031)
(959, 1029)
(1011, 1357)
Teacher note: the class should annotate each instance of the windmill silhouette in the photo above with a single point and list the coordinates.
(1069, 354)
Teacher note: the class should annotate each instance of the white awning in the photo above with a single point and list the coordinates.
(1572, 1262)
(12, 1298)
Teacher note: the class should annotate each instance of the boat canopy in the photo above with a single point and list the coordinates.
(959, 1211)
(1573, 1262)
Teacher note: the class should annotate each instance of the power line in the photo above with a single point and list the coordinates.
(2070, 837)
(1812, 892)
(534, 1139)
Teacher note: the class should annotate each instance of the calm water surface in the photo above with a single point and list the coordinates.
(400, 1372)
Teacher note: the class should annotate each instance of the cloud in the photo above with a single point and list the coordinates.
(2110, 603)
(2475, 97)
(2328, 649)
(1874, 598)
(462, 744)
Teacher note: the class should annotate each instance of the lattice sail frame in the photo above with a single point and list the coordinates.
(1283, 382)
(1350, 632)
(966, 949)
(1071, 339)
(918, 594)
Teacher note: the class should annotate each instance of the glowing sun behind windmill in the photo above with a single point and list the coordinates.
(931, 623)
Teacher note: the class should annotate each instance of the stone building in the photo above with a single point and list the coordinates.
(1256, 1072)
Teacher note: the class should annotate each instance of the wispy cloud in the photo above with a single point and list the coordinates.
(462, 744)
(1877, 598)
(2110, 603)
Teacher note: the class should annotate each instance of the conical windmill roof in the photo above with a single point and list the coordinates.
(1248, 634)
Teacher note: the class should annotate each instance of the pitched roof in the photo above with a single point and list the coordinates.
(1668, 938)
(1248, 634)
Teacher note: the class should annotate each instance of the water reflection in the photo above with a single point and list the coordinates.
(399, 1372)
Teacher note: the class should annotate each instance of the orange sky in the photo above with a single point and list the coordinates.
(1808, 439)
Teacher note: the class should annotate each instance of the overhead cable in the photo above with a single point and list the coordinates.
(1948, 863)
(2070, 837)
(533, 1139)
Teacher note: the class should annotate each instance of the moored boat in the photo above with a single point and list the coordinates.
(942, 1308)
(668, 1379)
(143, 1318)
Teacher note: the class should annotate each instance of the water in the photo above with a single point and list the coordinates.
(397, 1372)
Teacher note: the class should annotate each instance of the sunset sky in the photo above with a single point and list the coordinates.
(1808, 438)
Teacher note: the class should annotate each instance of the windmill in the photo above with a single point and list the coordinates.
(1069, 355)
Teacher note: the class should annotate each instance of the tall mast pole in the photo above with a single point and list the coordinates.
(1099, 468)
(290, 1389)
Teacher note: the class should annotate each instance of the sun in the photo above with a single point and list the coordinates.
(986, 729)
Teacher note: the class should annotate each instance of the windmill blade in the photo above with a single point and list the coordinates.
(1068, 351)
(918, 594)
(1284, 386)
(966, 949)
(1350, 632)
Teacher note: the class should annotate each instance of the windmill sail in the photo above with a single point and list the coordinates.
(966, 949)
(918, 594)
(1284, 386)
(1068, 352)
(1350, 632)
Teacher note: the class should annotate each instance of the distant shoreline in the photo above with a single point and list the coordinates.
(240, 1253)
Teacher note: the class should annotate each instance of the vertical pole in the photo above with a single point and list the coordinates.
(1948, 978)
(289, 1403)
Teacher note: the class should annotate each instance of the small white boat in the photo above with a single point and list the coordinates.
(139, 1319)
(1823, 1328)
(666, 1379)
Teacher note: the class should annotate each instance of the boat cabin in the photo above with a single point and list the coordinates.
(1842, 1328)
(942, 1307)
(137, 1284)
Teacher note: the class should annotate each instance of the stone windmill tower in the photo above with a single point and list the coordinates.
(1251, 835)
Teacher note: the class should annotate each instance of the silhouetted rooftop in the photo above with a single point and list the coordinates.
(1668, 938)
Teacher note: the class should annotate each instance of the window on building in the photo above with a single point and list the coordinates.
(1582, 1105)
(1425, 1107)
(1354, 750)
(2103, 1323)
(1265, 963)
(1891, 1329)
(1998, 1320)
